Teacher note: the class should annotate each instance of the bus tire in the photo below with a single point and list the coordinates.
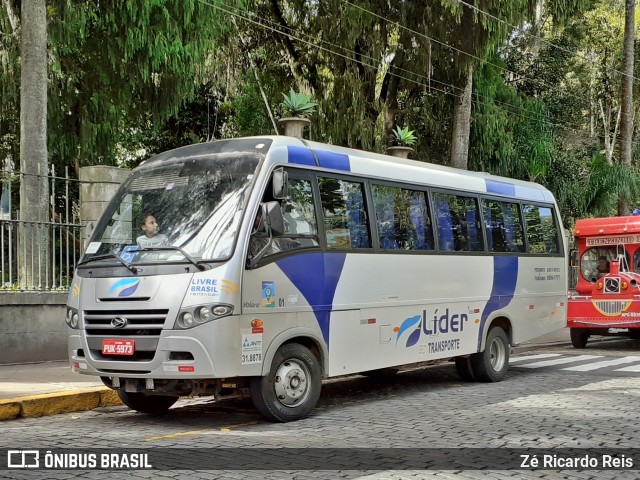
(291, 388)
(492, 363)
(579, 337)
(143, 403)
(464, 368)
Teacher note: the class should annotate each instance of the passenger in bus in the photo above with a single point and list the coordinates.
(151, 237)
(603, 267)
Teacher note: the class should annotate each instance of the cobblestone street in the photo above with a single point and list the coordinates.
(545, 409)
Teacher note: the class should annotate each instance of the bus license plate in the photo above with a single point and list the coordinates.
(117, 347)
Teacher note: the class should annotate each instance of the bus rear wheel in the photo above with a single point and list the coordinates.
(464, 368)
(143, 403)
(292, 387)
(491, 365)
(579, 337)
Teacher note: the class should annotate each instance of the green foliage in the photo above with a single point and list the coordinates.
(404, 136)
(128, 79)
(297, 104)
(117, 66)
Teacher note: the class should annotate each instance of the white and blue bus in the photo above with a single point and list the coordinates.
(275, 262)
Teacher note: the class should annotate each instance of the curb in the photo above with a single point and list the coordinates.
(61, 402)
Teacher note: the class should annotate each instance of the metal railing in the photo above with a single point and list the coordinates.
(48, 263)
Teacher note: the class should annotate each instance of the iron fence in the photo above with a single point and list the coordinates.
(49, 263)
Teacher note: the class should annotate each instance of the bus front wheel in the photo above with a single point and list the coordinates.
(291, 388)
(579, 337)
(143, 403)
(491, 365)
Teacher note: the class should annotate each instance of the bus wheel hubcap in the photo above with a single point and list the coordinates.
(292, 383)
(497, 354)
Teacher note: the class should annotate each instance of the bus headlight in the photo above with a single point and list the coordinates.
(186, 320)
(195, 316)
(72, 319)
(205, 314)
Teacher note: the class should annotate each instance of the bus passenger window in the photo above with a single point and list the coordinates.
(458, 223)
(542, 233)
(402, 219)
(344, 214)
(504, 226)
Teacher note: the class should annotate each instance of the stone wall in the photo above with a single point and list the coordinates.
(99, 185)
(32, 327)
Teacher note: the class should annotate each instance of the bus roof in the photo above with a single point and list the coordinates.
(591, 227)
(290, 150)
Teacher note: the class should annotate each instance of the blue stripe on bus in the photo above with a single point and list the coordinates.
(301, 156)
(505, 276)
(335, 161)
(500, 187)
(316, 276)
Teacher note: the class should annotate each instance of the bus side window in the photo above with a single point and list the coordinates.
(299, 211)
(458, 223)
(344, 214)
(299, 214)
(504, 226)
(402, 219)
(541, 229)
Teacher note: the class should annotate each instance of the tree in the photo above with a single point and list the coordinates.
(626, 122)
(34, 186)
(123, 65)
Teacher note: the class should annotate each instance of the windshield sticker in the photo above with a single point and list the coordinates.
(128, 253)
(93, 247)
(251, 348)
(268, 294)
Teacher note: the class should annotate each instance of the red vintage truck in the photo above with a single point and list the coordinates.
(606, 300)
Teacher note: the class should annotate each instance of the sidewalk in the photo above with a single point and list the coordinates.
(38, 389)
(48, 388)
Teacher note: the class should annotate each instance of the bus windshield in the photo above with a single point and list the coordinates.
(192, 203)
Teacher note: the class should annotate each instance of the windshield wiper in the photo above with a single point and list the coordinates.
(199, 265)
(129, 267)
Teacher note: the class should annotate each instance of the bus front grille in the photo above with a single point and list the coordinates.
(142, 326)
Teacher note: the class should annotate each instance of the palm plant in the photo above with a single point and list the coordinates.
(297, 104)
(404, 136)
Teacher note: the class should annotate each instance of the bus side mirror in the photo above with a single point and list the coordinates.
(273, 219)
(280, 180)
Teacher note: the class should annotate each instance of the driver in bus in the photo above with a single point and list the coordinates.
(151, 237)
(603, 267)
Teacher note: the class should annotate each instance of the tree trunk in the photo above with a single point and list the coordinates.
(626, 102)
(538, 20)
(462, 125)
(34, 186)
